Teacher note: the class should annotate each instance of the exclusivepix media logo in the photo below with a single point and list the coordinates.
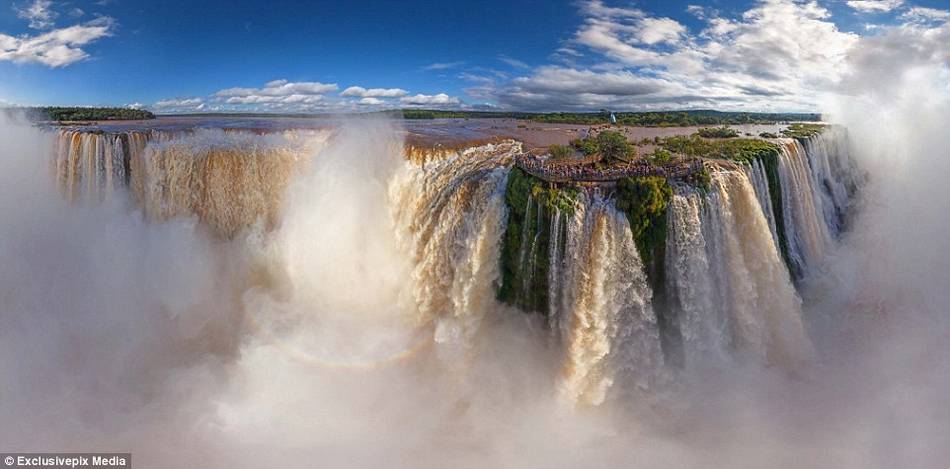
(68, 460)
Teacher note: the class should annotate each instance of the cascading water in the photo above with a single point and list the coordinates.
(691, 281)
(611, 330)
(760, 182)
(725, 280)
(451, 215)
(89, 164)
(806, 229)
(753, 287)
(833, 174)
(229, 180)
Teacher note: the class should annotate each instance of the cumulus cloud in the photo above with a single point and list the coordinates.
(772, 57)
(38, 13)
(280, 88)
(56, 48)
(180, 105)
(874, 6)
(440, 99)
(370, 101)
(278, 94)
(360, 92)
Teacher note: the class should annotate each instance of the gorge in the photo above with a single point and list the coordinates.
(636, 277)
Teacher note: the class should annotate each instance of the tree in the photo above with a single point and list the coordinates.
(613, 145)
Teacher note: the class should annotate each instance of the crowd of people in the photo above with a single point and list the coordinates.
(591, 173)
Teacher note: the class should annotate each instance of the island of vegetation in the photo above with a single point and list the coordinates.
(83, 114)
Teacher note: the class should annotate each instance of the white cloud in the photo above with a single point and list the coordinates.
(874, 6)
(38, 14)
(56, 48)
(359, 91)
(280, 95)
(135, 105)
(923, 14)
(443, 65)
(660, 30)
(178, 102)
(178, 105)
(280, 88)
(772, 57)
(369, 101)
(76, 12)
(513, 62)
(440, 99)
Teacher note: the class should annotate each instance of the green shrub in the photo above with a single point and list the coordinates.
(560, 151)
(717, 132)
(660, 156)
(800, 130)
(587, 146)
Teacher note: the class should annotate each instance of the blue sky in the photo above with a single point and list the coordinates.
(282, 56)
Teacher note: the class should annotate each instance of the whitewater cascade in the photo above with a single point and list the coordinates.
(732, 291)
(833, 174)
(450, 215)
(757, 175)
(806, 228)
(572, 256)
(228, 180)
(610, 330)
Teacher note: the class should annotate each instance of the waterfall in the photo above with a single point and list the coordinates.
(806, 227)
(833, 174)
(760, 182)
(89, 166)
(228, 180)
(451, 217)
(611, 330)
(692, 282)
(753, 294)
(530, 266)
(555, 254)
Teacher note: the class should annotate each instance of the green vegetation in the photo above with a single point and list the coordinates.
(717, 132)
(588, 146)
(768, 135)
(560, 151)
(614, 145)
(801, 131)
(611, 144)
(644, 200)
(701, 179)
(65, 114)
(646, 119)
(524, 272)
(659, 157)
(742, 150)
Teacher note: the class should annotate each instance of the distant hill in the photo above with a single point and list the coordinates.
(650, 119)
(72, 114)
